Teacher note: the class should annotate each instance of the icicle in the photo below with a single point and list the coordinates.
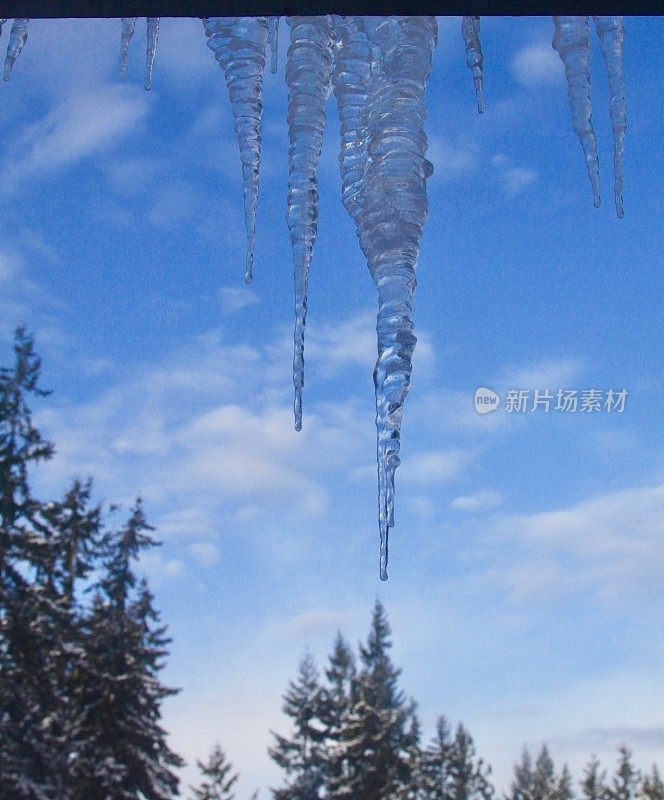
(385, 192)
(611, 32)
(273, 40)
(308, 68)
(17, 39)
(470, 28)
(128, 27)
(153, 36)
(2, 22)
(238, 44)
(572, 41)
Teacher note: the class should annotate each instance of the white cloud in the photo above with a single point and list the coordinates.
(537, 65)
(80, 126)
(514, 179)
(450, 162)
(9, 266)
(205, 553)
(235, 298)
(612, 545)
(158, 568)
(477, 502)
(552, 373)
(434, 466)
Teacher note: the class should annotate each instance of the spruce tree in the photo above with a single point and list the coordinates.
(302, 755)
(652, 787)
(544, 776)
(379, 736)
(26, 618)
(435, 775)
(124, 753)
(71, 675)
(522, 787)
(593, 784)
(337, 700)
(469, 776)
(625, 779)
(564, 789)
(218, 778)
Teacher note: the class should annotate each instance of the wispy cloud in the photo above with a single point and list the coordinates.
(79, 127)
(476, 502)
(611, 545)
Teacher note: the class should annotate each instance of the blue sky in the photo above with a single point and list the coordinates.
(525, 569)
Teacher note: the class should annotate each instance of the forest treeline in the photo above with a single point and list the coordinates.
(82, 648)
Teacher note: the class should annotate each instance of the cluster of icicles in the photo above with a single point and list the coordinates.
(378, 69)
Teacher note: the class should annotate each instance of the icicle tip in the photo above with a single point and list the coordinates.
(249, 268)
(297, 408)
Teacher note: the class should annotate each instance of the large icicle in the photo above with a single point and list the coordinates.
(17, 40)
(128, 27)
(273, 40)
(389, 206)
(238, 44)
(611, 31)
(153, 37)
(470, 28)
(308, 68)
(571, 39)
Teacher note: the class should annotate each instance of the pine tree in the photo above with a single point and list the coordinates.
(124, 753)
(69, 672)
(564, 789)
(25, 617)
(435, 776)
(593, 785)
(625, 779)
(337, 700)
(652, 787)
(218, 778)
(302, 755)
(469, 776)
(522, 784)
(544, 776)
(378, 737)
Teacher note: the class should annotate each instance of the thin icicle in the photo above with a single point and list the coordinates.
(273, 41)
(17, 39)
(389, 204)
(611, 31)
(571, 39)
(238, 44)
(128, 27)
(153, 37)
(470, 28)
(308, 68)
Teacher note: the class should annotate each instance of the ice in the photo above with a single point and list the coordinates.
(128, 27)
(470, 28)
(571, 39)
(611, 31)
(238, 44)
(308, 68)
(17, 40)
(273, 40)
(378, 68)
(153, 37)
(384, 73)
